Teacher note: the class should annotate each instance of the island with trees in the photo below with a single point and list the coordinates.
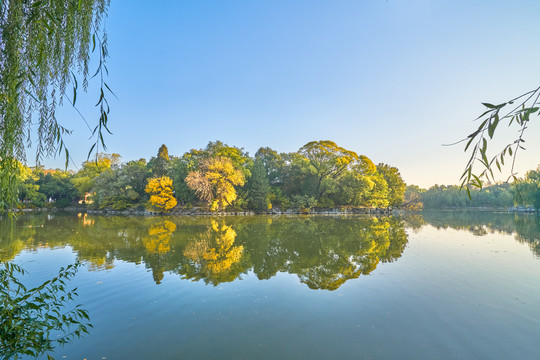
(220, 178)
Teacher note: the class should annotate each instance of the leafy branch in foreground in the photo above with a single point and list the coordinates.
(34, 321)
(517, 112)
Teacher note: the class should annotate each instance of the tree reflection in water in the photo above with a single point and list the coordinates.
(524, 227)
(324, 252)
(213, 256)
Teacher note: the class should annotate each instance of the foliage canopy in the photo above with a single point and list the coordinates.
(161, 193)
(320, 174)
(215, 181)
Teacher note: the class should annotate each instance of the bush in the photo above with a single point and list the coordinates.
(278, 199)
(326, 203)
(303, 202)
(63, 203)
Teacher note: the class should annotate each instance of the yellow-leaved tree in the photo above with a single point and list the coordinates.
(215, 180)
(161, 193)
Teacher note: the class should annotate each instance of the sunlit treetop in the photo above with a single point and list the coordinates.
(327, 157)
(239, 158)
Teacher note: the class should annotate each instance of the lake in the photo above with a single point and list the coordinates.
(437, 285)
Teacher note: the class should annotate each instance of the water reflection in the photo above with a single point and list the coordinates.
(324, 252)
(213, 255)
(159, 237)
(524, 227)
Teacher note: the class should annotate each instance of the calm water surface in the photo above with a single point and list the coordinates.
(444, 285)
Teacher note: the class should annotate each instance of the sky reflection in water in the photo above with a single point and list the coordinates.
(441, 285)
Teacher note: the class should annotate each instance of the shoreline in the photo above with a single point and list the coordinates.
(204, 212)
(314, 211)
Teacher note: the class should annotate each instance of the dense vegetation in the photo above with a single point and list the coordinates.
(219, 177)
(452, 196)
(524, 192)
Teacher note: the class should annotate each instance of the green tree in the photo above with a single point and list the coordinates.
(56, 185)
(136, 175)
(527, 190)
(238, 157)
(297, 176)
(121, 187)
(354, 188)
(273, 164)
(441, 196)
(179, 171)
(112, 190)
(160, 164)
(412, 198)
(396, 185)
(84, 179)
(42, 44)
(378, 196)
(258, 188)
(328, 160)
(29, 188)
(357, 184)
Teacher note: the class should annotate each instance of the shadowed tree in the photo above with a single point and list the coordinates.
(527, 190)
(56, 185)
(258, 188)
(179, 172)
(273, 164)
(159, 164)
(84, 180)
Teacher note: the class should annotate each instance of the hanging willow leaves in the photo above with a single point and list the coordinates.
(43, 45)
(516, 112)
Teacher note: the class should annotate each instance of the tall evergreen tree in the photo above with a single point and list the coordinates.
(258, 188)
(159, 165)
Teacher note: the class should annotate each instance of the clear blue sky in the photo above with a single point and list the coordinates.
(393, 80)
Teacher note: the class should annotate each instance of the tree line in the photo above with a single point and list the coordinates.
(220, 177)
(523, 191)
